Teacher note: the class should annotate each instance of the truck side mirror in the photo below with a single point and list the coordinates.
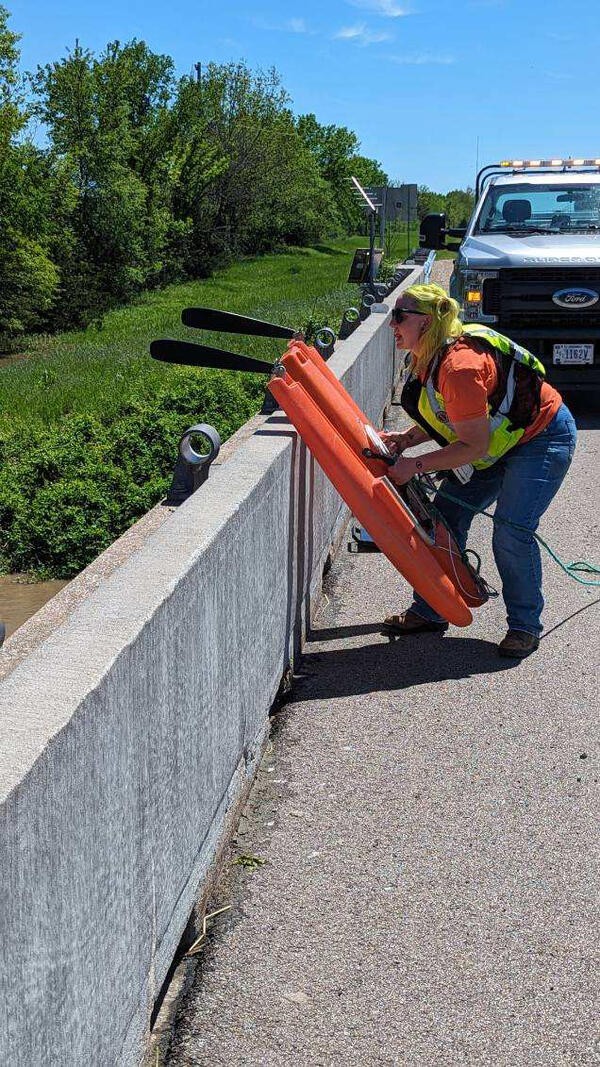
(433, 231)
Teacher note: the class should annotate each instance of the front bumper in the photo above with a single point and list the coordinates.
(541, 343)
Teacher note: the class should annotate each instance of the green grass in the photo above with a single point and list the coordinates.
(98, 371)
(399, 241)
(89, 423)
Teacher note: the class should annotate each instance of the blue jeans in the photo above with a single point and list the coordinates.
(523, 483)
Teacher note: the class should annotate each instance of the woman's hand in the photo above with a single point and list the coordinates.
(398, 442)
(404, 469)
(473, 444)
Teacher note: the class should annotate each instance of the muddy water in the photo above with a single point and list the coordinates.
(18, 601)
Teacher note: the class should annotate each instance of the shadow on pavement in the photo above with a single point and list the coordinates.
(568, 618)
(337, 633)
(392, 665)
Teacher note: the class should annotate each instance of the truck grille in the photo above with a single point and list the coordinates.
(522, 296)
(578, 321)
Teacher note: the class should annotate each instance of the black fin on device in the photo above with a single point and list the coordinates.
(230, 322)
(183, 352)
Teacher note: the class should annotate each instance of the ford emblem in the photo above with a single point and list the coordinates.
(575, 298)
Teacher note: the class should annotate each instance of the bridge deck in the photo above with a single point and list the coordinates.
(428, 818)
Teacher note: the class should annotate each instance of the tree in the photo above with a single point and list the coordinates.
(332, 148)
(335, 149)
(12, 119)
(368, 171)
(28, 277)
(243, 179)
(459, 206)
(145, 179)
(428, 202)
(292, 202)
(102, 116)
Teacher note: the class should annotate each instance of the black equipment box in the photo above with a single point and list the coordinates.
(359, 271)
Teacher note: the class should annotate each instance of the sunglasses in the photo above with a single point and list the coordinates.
(399, 314)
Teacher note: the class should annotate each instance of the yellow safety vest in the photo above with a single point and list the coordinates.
(511, 360)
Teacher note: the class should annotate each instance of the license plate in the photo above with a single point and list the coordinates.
(573, 354)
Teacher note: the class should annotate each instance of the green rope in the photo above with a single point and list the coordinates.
(580, 565)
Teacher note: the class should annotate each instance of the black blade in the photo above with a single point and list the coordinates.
(229, 322)
(202, 356)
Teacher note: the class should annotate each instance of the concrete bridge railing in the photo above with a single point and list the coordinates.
(133, 711)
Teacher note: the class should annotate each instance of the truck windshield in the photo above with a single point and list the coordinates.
(524, 209)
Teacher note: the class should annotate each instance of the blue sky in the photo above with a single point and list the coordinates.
(417, 80)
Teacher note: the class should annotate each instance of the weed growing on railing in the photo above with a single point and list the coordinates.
(386, 271)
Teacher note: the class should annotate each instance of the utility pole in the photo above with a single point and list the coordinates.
(409, 210)
(382, 218)
(198, 68)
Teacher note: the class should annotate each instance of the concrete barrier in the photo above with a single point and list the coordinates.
(129, 728)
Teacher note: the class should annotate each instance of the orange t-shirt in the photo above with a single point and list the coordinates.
(467, 378)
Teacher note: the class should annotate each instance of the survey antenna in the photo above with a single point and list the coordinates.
(367, 204)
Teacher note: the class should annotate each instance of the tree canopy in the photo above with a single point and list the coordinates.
(145, 178)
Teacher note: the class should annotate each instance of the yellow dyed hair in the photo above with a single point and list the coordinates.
(434, 301)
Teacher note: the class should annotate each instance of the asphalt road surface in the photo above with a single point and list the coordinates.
(426, 822)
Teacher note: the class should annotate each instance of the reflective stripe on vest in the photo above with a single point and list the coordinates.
(506, 346)
(502, 438)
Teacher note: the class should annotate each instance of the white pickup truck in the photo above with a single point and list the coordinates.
(528, 262)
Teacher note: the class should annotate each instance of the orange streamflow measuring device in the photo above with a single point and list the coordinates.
(337, 432)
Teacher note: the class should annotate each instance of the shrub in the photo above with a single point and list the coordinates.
(68, 491)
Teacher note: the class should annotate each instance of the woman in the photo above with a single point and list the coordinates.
(483, 399)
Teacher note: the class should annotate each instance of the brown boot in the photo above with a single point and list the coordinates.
(518, 643)
(411, 623)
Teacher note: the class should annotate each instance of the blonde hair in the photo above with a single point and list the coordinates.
(434, 301)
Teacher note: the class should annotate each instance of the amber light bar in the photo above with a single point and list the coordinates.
(550, 163)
